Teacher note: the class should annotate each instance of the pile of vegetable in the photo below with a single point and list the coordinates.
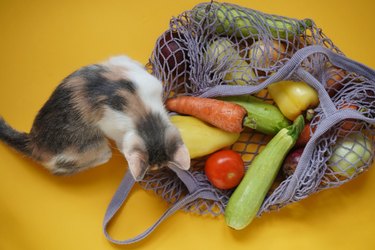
(210, 127)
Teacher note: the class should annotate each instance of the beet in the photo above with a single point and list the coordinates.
(172, 53)
(291, 162)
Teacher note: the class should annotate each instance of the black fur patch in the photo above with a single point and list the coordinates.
(152, 130)
(117, 102)
(59, 125)
(126, 85)
(92, 140)
(65, 167)
(101, 88)
(13, 138)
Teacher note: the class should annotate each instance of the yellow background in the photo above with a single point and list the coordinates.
(43, 41)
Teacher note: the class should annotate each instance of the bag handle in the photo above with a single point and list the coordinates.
(124, 189)
(290, 67)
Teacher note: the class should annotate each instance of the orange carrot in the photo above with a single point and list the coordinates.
(221, 114)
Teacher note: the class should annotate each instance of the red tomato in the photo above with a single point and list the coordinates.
(225, 169)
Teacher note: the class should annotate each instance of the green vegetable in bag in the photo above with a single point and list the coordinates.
(248, 197)
(239, 71)
(261, 116)
(243, 22)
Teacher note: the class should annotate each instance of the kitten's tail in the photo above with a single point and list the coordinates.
(13, 138)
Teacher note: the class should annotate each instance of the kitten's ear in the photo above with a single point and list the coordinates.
(182, 157)
(137, 160)
(137, 165)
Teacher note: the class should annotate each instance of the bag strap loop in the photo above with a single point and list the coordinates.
(123, 191)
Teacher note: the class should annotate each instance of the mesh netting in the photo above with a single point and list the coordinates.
(220, 44)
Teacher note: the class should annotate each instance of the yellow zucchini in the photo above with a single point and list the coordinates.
(200, 138)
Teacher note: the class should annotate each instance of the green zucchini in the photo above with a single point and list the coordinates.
(261, 116)
(249, 195)
(243, 22)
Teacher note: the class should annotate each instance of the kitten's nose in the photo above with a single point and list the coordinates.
(154, 167)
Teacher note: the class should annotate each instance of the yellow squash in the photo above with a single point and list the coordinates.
(200, 138)
(293, 98)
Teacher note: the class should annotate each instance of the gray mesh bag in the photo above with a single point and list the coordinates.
(274, 48)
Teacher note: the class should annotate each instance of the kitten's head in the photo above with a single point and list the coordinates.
(155, 143)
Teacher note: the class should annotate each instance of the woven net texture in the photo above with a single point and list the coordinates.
(220, 44)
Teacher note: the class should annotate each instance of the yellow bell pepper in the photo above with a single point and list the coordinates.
(293, 98)
(200, 138)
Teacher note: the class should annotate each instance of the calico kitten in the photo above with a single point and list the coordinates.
(117, 99)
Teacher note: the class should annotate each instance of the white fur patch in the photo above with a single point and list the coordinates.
(149, 87)
(125, 61)
(115, 124)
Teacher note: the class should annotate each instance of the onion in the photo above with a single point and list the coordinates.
(351, 154)
(291, 162)
(265, 54)
(334, 79)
